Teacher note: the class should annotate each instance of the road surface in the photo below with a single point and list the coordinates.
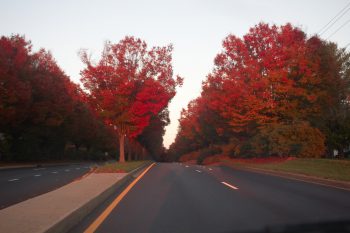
(182, 198)
(19, 184)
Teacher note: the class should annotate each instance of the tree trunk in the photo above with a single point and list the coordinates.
(128, 146)
(121, 148)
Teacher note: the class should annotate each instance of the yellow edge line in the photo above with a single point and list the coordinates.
(108, 210)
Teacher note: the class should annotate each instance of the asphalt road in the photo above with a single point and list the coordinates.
(180, 198)
(20, 184)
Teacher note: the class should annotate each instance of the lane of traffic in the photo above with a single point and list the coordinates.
(28, 172)
(170, 198)
(177, 198)
(21, 184)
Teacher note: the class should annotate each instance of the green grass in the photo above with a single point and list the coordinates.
(323, 168)
(120, 167)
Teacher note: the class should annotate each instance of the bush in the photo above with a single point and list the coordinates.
(230, 148)
(298, 139)
(189, 156)
(209, 151)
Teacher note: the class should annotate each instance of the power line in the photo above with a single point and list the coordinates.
(338, 16)
(338, 29)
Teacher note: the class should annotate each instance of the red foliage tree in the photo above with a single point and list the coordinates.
(130, 84)
(41, 110)
(15, 89)
(270, 78)
(265, 77)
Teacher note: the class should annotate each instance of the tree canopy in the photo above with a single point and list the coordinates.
(130, 85)
(274, 91)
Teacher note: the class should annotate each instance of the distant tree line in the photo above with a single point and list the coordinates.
(274, 92)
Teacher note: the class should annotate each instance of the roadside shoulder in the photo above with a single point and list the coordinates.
(294, 176)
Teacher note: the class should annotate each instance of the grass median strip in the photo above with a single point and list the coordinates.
(322, 168)
(117, 167)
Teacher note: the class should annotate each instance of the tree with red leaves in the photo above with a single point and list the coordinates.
(268, 77)
(265, 77)
(129, 85)
(277, 92)
(41, 110)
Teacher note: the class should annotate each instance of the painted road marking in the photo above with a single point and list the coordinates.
(54, 172)
(210, 169)
(37, 175)
(229, 185)
(186, 166)
(108, 210)
(198, 171)
(13, 180)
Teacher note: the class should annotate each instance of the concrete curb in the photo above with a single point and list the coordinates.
(18, 166)
(72, 219)
(300, 177)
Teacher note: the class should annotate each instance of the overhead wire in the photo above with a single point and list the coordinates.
(343, 25)
(335, 19)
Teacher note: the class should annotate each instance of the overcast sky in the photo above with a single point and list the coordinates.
(195, 28)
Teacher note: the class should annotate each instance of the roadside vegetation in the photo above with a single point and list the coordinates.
(44, 116)
(275, 92)
(333, 169)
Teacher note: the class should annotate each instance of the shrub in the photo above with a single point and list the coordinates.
(204, 153)
(298, 139)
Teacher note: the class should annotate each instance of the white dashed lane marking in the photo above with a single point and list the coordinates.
(229, 185)
(37, 175)
(13, 180)
(55, 172)
(198, 171)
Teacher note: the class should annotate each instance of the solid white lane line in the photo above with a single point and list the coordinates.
(198, 171)
(13, 180)
(37, 175)
(229, 185)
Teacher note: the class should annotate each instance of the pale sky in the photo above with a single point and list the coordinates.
(195, 28)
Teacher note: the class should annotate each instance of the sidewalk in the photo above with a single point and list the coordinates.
(59, 210)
